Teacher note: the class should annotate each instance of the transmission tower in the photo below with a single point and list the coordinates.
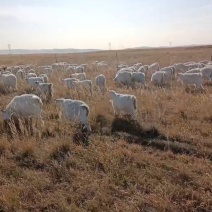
(9, 47)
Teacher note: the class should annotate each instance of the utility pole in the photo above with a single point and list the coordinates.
(55, 58)
(117, 59)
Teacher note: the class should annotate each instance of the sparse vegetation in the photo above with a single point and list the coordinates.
(161, 162)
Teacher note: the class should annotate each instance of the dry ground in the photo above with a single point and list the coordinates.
(162, 162)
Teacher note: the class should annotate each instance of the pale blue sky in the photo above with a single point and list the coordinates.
(40, 24)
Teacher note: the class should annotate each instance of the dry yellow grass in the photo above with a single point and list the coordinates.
(160, 163)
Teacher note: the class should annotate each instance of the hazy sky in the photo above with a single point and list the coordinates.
(35, 24)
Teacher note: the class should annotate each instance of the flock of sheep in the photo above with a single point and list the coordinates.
(28, 106)
(190, 73)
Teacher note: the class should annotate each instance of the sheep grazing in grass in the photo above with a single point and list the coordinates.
(68, 82)
(33, 80)
(8, 81)
(207, 73)
(45, 78)
(124, 78)
(138, 78)
(143, 69)
(81, 68)
(169, 73)
(26, 107)
(83, 85)
(74, 110)
(44, 90)
(123, 103)
(20, 74)
(191, 79)
(79, 76)
(153, 68)
(48, 71)
(158, 78)
(100, 82)
(29, 75)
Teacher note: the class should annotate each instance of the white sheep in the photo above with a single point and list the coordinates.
(207, 73)
(137, 66)
(191, 79)
(123, 103)
(123, 78)
(26, 106)
(180, 67)
(158, 78)
(45, 78)
(32, 81)
(69, 82)
(70, 69)
(169, 73)
(8, 80)
(80, 76)
(100, 82)
(85, 85)
(14, 69)
(81, 68)
(31, 71)
(128, 69)
(121, 66)
(48, 71)
(20, 74)
(44, 90)
(153, 68)
(58, 67)
(143, 69)
(29, 75)
(74, 110)
(138, 78)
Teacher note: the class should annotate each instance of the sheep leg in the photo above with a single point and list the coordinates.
(6, 126)
(117, 112)
(101, 90)
(28, 123)
(30, 126)
(17, 125)
(133, 114)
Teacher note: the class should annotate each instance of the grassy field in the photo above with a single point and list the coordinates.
(161, 162)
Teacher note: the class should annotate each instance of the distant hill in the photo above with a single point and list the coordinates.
(72, 50)
(47, 51)
(161, 47)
